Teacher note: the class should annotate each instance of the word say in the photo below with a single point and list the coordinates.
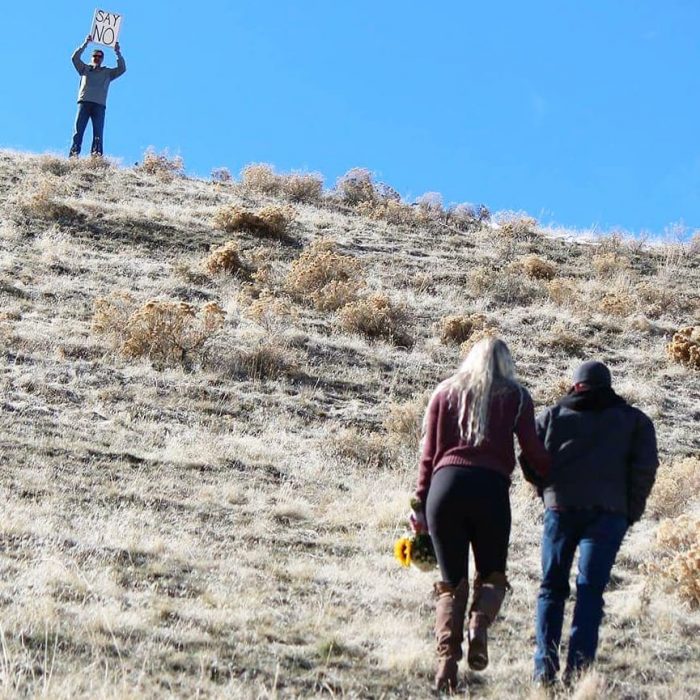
(105, 27)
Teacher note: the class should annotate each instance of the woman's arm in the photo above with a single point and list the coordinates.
(425, 466)
(534, 453)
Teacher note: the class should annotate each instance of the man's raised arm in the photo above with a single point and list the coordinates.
(121, 63)
(77, 62)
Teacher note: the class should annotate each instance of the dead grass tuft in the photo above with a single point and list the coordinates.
(358, 447)
(458, 329)
(327, 278)
(563, 291)
(166, 332)
(162, 165)
(225, 259)
(564, 340)
(260, 177)
(516, 226)
(685, 346)
(270, 222)
(357, 186)
(403, 422)
(677, 557)
(609, 264)
(535, 267)
(376, 317)
(43, 201)
(675, 481)
(302, 187)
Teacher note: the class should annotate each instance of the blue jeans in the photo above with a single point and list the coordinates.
(89, 111)
(598, 535)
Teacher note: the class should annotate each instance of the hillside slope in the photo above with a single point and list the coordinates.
(220, 524)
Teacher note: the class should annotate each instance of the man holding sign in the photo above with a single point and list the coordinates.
(92, 96)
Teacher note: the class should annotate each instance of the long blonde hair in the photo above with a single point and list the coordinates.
(487, 369)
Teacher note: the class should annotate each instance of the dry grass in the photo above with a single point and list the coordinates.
(268, 222)
(162, 165)
(224, 528)
(677, 483)
(161, 330)
(325, 277)
(225, 258)
(261, 178)
(458, 329)
(677, 560)
(535, 267)
(376, 317)
(685, 346)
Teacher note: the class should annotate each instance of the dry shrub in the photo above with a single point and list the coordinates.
(302, 187)
(474, 338)
(162, 330)
(375, 317)
(675, 481)
(162, 165)
(325, 277)
(42, 202)
(685, 346)
(267, 308)
(504, 286)
(403, 422)
(225, 258)
(458, 329)
(267, 359)
(358, 447)
(221, 175)
(54, 165)
(677, 557)
(608, 264)
(389, 210)
(535, 267)
(270, 222)
(618, 302)
(564, 340)
(516, 226)
(262, 178)
(562, 291)
(357, 186)
(430, 208)
(466, 217)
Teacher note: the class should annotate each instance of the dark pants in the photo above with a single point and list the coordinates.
(598, 536)
(89, 111)
(469, 506)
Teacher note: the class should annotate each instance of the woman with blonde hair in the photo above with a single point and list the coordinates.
(467, 460)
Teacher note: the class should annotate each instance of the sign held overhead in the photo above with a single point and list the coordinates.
(105, 27)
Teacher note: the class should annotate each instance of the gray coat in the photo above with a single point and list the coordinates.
(604, 454)
(94, 82)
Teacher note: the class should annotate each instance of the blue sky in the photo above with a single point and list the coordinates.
(580, 112)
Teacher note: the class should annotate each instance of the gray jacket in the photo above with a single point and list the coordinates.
(604, 454)
(94, 82)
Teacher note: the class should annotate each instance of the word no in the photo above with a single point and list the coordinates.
(105, 27)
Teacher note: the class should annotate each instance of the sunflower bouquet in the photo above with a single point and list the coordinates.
(416, 548)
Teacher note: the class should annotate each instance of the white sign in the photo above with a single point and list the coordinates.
(105, 28)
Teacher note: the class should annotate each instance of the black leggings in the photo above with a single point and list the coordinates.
(469, 505)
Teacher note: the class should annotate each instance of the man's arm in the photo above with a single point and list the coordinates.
(641, 470)
(121, 63)
(76, 57)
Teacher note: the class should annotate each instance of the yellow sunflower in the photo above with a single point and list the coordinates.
(402, 551)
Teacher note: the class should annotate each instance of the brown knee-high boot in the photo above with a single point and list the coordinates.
(449, 631)
(488, 598)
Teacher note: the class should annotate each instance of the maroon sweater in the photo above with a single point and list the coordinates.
(510, 412)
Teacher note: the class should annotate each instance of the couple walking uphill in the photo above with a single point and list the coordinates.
(593, 459)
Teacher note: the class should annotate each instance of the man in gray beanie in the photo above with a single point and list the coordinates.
(604, 461)
(92, 96)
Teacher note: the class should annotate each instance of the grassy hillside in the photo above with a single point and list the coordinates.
(201, 494)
